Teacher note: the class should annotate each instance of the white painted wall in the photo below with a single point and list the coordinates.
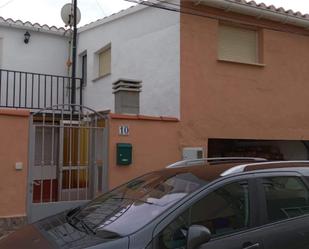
(145, 46)
(45, 53)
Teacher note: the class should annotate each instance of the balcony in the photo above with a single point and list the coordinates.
(37, 91)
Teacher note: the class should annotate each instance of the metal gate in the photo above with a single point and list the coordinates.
(67, 159)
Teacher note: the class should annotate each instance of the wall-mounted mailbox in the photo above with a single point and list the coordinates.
(124, 154)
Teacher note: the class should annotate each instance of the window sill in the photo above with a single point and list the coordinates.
(242, 63)
(101, 77)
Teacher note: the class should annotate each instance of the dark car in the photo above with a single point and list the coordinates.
(223, 203)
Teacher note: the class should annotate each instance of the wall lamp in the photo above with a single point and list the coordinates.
(27, 37)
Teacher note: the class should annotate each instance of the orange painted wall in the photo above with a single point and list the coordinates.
(155, 145)
(230, 100)
(13, 148)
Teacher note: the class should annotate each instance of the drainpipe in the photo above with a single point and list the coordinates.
(258, 12)
(73, 93)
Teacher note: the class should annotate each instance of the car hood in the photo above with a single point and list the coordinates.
(31, 237)
(27, 237)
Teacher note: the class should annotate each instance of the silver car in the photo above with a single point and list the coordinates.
(218, 204)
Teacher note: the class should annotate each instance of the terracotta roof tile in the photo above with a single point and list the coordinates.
(252, 3)
(62, 30)
(272, 8)
(27, 24)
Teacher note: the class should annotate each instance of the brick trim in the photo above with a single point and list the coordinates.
(143, 117)
(15, 112)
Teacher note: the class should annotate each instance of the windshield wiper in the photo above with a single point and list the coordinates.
(70, 219)
(105, 234)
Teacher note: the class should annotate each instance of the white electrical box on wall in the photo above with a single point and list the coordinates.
(19, 166)
(190, 153)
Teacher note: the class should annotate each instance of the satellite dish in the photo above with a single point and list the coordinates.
(67, 14)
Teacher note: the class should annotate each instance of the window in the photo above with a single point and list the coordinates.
(84, 69)
(224, 211)
(105, 61)
(286, 197)
(238, 44)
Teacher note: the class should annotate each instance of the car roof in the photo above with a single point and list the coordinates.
(210, 170)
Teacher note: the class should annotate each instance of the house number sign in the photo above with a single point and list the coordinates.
(124, 130)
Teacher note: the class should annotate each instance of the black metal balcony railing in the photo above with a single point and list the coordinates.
(36, 91)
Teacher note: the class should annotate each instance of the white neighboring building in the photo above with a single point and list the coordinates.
(135, 41)
(33, 74)
(140, 44)
(46, 52)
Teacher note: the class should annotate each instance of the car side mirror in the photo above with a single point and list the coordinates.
(197, 235)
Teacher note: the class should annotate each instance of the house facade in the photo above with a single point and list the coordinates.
(70, 152)
(243, 79)
(210, 78)
(226, 73)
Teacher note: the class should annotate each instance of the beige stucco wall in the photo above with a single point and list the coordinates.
(230, 100)
(155, 144)
(13, 148)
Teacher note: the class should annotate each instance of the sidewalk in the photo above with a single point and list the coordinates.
(10, 224)
(4, 235)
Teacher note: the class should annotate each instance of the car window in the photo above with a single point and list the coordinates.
(224, 211)
(286, 197)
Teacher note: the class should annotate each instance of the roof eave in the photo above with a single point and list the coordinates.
(259, 11)
(34, 27)
(111, 18)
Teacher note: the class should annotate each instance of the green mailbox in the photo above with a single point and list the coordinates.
(124, 154)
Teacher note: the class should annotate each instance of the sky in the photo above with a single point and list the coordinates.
(48, 11)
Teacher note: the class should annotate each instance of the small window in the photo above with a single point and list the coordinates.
(224, 211)
(286, 197)
(238, 44)
(105, 61)
(84, 69)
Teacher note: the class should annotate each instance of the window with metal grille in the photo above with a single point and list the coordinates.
(238, 44)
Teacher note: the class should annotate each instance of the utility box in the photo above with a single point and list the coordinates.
(190, 153)
(127, 96)
(124, 154)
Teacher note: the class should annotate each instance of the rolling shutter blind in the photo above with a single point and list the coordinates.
(238, 44)
(105, 62)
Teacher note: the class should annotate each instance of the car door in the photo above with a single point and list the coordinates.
(286, 211)
(228, 212)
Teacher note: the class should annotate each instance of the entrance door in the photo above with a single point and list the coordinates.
(67, 151)
(75, 167)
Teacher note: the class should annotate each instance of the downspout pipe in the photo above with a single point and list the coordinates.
(258, 12)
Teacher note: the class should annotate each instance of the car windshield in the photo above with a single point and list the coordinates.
(129, 207)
